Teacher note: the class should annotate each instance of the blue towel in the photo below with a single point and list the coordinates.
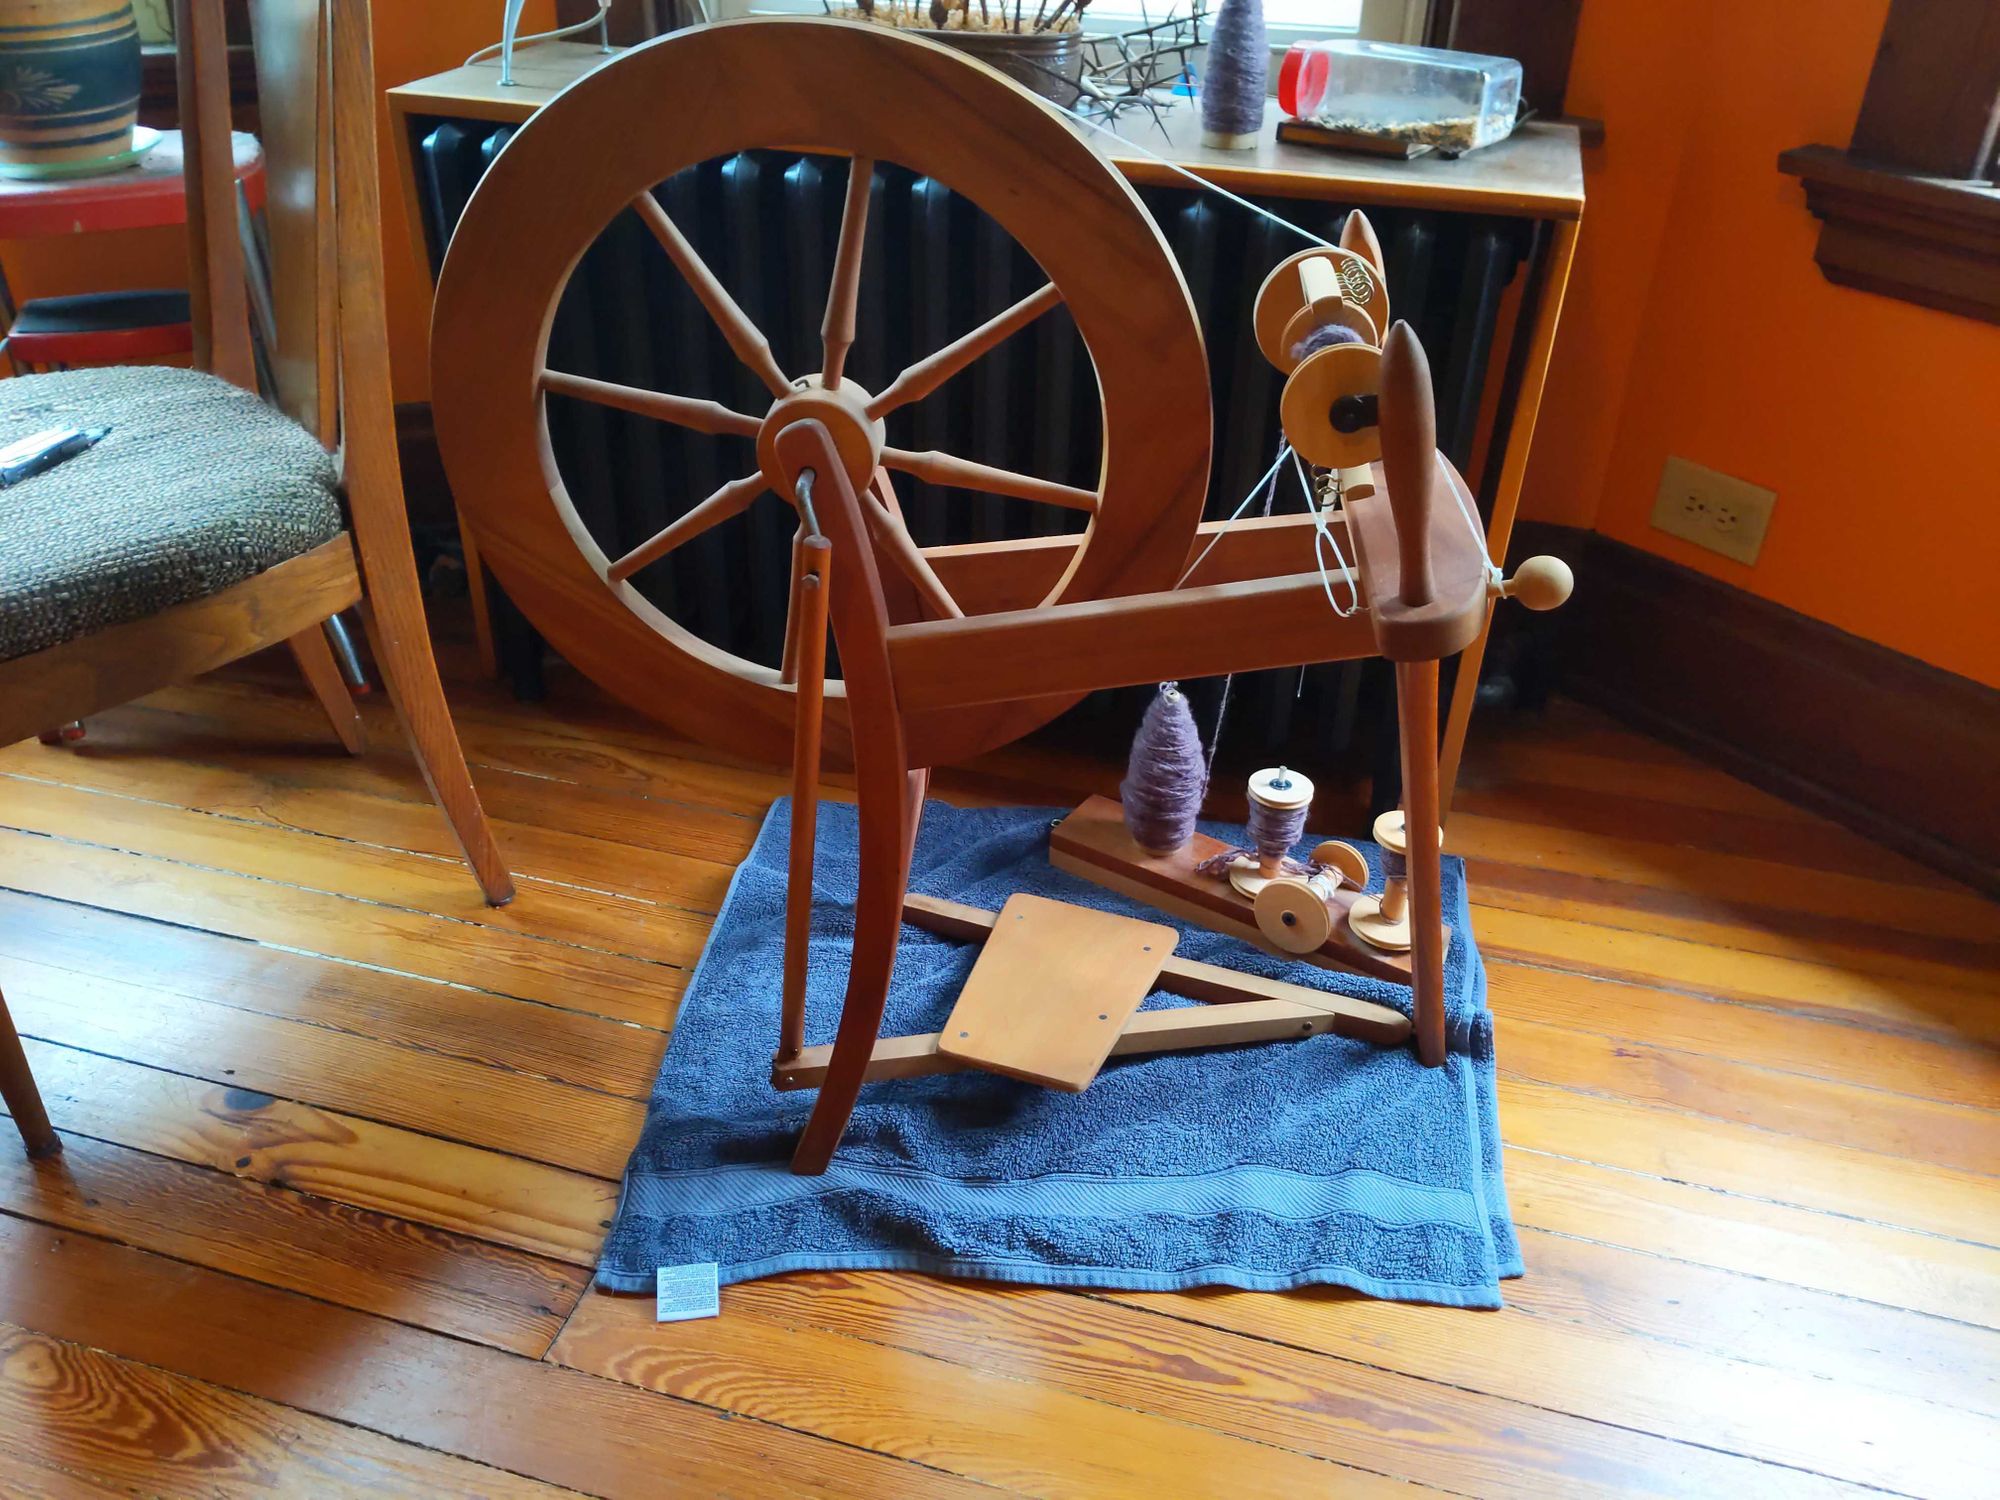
(1270, 1166)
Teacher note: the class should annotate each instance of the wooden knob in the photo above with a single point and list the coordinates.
(1540, 583)
(1409, 458)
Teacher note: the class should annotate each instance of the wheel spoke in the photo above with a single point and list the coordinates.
(884, 492)
(933, 370)
(837, 329)
(731, 500)
(744, 336)
(962, 473)
(682, 411)
(885, 524)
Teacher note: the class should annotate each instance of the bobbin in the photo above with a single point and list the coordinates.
(1313, 287)
(1296, 914)
(1282, 791)
(1384, 921)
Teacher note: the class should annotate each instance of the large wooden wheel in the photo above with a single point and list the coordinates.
(840, 89)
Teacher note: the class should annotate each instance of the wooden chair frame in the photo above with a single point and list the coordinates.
(334, 372)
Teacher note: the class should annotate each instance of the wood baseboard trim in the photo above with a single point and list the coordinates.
(1896, 749)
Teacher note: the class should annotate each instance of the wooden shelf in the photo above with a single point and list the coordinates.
(1930, 240)
(1535, 173)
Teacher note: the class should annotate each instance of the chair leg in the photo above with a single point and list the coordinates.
(17, 1087)
(403, 655)
(322, 674)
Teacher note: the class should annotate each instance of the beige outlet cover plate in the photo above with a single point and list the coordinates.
(1717, 511)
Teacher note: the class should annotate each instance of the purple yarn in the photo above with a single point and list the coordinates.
(1324, 337)
(1239, 69)
(1166, 777)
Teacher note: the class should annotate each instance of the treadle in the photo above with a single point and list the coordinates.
(1052, 991)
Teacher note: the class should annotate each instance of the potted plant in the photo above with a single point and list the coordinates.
(1038, 43)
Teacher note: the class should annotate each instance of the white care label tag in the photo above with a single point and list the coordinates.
(687, 1292)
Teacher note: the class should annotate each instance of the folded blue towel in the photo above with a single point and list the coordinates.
(1269, 1166)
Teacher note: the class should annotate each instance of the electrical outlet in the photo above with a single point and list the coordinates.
(1716, 511)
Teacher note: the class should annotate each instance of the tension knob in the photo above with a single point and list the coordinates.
(1540, 583)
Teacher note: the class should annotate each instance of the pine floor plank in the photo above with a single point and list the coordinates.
(991, 1426)
(1955, 1137)
(1759, 1319)
(569, 915)
(470, 1190)
(477, 1026)
(135, 1429)
(1789, 1418)
(1922, 1066)
(555, 1123)
(1776, 1242)
(393, 813)
(615, 755)
(360, 1258)
(525, 1417)
(1350, 1409)
(1763, 887)
(1684, 1147)
(1693, 916)
(1950, 1011)
(410, 942)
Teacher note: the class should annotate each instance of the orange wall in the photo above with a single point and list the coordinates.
(1721, 341)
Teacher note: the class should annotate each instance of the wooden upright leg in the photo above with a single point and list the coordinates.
(17, 1087)
(1417, 715)
(807, 651)
(886, 791)
(322, 674)
(887, 832)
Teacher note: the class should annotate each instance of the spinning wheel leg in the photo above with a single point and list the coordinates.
(888, 831)
(888, 792)
(1417, 713)
(806, 650)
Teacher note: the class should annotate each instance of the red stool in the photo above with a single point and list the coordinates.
(104, 328)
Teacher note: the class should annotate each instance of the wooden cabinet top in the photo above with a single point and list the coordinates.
(1536, 173)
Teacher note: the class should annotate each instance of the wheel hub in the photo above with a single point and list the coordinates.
(857, 437)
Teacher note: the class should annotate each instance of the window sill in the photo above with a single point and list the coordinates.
(1933, 241)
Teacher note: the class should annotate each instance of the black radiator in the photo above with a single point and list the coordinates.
(934, 267)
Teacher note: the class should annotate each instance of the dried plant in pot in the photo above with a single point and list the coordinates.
(1038, 43)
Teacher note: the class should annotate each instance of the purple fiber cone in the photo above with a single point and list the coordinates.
(1166, 777)
(1238, 74)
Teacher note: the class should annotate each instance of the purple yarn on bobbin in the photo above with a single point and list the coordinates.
(1237, 76)
(1166, 777)
(1324, 337)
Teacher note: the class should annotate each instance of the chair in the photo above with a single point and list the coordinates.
(208, 525)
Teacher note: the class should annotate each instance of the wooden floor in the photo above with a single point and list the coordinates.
(342, 1143)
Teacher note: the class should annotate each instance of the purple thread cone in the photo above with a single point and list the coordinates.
(1166, 776)
(1238, 73)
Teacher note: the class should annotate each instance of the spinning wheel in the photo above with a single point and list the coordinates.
(1130, 601)
(831, 87)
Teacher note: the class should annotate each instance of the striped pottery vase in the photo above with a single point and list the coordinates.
(69, 82)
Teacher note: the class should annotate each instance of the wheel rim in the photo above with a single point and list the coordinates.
(841, 89)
